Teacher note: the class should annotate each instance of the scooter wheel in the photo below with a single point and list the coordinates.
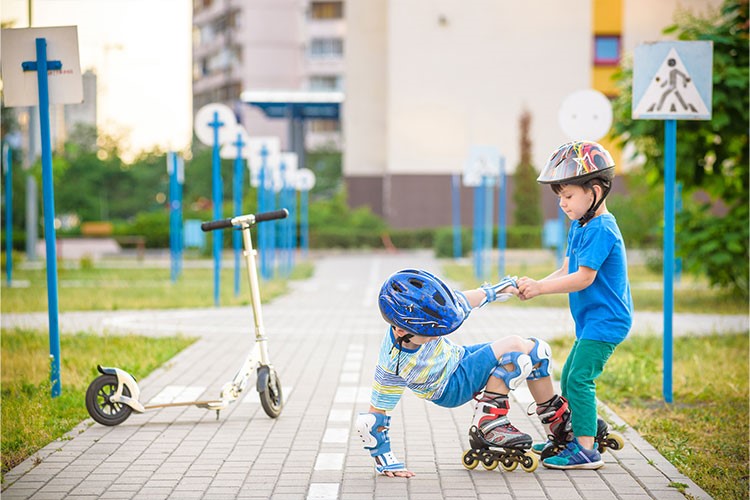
(99, 405)
(270, 395)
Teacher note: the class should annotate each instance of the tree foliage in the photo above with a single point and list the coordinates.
(526, 192)
(712, 156)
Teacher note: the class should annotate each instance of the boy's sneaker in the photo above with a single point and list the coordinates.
(538, 448)
(574, 456)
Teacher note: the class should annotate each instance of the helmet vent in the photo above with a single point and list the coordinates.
(439, 298)
(397, 287)
(431, 312)
(417, 283)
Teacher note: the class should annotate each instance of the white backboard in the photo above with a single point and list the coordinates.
(206, 115)
(21, 88)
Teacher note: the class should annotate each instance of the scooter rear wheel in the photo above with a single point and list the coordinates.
(270, 395)
(99, 405)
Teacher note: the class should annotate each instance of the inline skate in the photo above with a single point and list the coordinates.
(495, 441)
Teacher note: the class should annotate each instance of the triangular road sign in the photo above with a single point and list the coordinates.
(671, 93)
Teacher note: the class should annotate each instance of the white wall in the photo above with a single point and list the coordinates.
(449, 74)
(461, 73)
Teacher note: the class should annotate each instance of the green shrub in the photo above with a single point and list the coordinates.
(443, 242)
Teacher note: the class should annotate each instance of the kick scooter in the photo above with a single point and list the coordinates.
(114, 395)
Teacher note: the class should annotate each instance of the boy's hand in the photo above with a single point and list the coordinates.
(528, 288)
(400, 473)
(373, 430)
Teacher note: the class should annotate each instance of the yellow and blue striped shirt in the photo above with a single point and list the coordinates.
(424, 370)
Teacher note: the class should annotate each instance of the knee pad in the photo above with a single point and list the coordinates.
(522, 367)
(376, 442)
(541, 355)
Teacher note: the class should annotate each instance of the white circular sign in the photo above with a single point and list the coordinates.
(305, 179)
(229, 148)
(204, 118)
(585, 115)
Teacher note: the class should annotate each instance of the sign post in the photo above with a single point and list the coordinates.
(481, 170)
(213, 124)
(237, 150)
(176, 171)
(305, 181)
(264, 163)
(62, 68)
(671, 81)
(8, 170)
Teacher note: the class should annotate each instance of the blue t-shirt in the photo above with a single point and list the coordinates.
(604, 310)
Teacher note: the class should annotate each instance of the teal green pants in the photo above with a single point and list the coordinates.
(578, 383)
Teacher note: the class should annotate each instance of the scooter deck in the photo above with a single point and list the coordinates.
(185, 403)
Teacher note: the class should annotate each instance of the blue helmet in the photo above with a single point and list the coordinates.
(419, 302)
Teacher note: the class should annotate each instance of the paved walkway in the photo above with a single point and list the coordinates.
(324, 339)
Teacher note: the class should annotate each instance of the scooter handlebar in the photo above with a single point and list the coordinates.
(272, 215)
(252, 219)
(216, 224)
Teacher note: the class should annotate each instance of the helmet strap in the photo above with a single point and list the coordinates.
(595, 204)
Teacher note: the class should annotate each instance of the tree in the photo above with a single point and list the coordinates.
(526, 192)
(712, 156)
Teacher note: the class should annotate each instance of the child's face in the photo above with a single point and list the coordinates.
(415, 339)
(575, 200)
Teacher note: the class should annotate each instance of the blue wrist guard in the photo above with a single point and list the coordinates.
(377, 442)
(494, 292)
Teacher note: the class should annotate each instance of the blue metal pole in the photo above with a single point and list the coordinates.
(501, 230)
(479, 232)
(263, 207)
(670, 153)
(48, 197)
(456, 213)
(562, 237)
(8, 214)
(237, 191)
(304, 228)
(217, 200)
(180, 164)
(173, 207)
(488, 214)
(678, 260)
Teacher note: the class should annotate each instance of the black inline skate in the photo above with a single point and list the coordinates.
(495, 441)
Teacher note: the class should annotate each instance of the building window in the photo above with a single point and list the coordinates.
(607, 49)
(325, 48)
(327, 10)
(325, 82)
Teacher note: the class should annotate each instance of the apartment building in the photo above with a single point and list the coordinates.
(269, 46)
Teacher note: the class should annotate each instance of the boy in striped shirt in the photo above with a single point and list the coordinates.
(416, 354)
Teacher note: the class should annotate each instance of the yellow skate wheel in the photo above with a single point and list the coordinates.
(489, 464)
(529, 462)
(615, 441)
(508, 464)
(468, 460)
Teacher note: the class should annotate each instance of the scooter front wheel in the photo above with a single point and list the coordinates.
(99, 404)
(269, 391)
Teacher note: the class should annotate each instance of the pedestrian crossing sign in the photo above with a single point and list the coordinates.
(672, 81)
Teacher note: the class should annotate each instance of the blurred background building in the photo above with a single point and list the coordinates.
(424, 80)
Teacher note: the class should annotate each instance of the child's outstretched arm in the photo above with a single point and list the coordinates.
(487, 293)
(373, 429)
(557, 282)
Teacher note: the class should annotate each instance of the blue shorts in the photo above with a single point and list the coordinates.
(470, 376)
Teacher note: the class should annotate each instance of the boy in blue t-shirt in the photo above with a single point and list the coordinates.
(595, 276)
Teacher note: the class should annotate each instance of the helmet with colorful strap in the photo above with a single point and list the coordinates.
(421, 303)
(576, 162)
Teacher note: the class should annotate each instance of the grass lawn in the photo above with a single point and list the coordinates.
(107, 289)
(31, 419)
(704, 432)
